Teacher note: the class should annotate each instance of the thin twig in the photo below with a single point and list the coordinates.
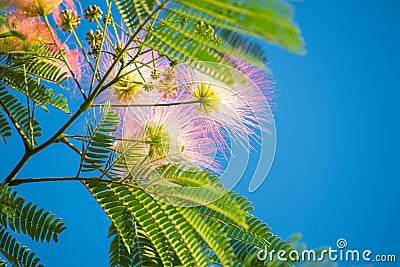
(71, 145)
(18, 167)
(101, 47)
(17, 126)
(99, 87)
(148, 105)
(46, 20)
(20, 181)
(81, 47)
(65, 140)
(28, 105)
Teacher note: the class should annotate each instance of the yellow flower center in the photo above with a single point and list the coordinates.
(45, 7)
(208, 99)
(158, 141)
(127, 88)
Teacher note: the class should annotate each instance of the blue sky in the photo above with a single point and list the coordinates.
(335, 173)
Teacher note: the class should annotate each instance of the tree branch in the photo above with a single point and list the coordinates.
(87, 101)
(18, 127)
(46, 20)
(50, 141)
(18, 167)
(20, 181)
(148, 105)
(65, 140)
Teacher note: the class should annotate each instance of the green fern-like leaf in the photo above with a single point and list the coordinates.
(134, 12)
(163, 226)
(18, 114)
(118, 253)
(5, 129)
(39, 93)
(196, 187)
(271, 21)
(16, 254)
(198, 234)
(106, 193)
(26, 218)
(141, 254)
(41, 62)
(98, 141)
(183, 233)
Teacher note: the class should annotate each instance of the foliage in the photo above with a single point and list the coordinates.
(161, 213)
(26, 218)
(173, 234)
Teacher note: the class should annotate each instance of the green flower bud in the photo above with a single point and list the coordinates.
(69, 20)
(93, 12)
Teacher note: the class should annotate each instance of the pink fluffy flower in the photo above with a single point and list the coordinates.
(237, 107)
(25, 20)
(33, 8)
(170, 135)
(207, 116)
(33, 30)
(75, 61)
(260, 77)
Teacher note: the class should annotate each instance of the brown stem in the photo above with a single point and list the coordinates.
(20, 181)
(148, 105)
(18, 167)
(71, 145)
(50, 141)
